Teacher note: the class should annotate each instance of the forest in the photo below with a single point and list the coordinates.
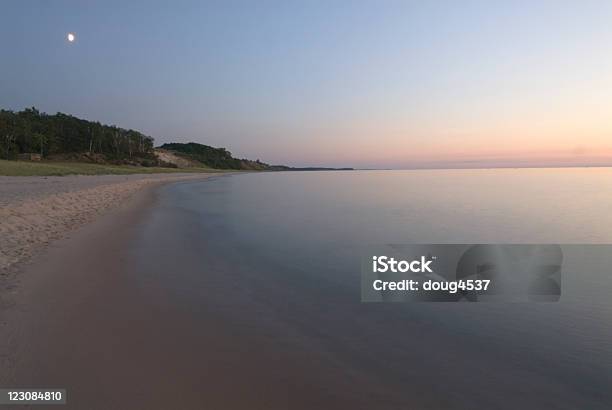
(211, 157)
(63, 136)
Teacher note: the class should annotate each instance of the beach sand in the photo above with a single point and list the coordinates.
(66, 314)
(80, 317)
(34, 211)
(85, 316)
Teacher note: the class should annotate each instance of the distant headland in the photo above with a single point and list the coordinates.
(35, 136)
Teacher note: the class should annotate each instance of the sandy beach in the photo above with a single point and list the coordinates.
(66, 297)
(85, 316)
(198, 294)
(35, 211)
(94, 316)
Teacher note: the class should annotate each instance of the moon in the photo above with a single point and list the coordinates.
(71, 37)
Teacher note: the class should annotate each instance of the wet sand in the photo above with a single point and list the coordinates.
(87, 316)
(76, 320)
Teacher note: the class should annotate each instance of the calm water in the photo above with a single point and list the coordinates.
(277, 256)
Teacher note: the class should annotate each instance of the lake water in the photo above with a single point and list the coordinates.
(276, 257)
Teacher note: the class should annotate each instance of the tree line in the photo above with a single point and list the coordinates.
(32, 131)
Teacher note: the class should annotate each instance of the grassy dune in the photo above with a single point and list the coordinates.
(26, 168)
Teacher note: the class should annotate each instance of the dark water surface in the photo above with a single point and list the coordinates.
(262, 272)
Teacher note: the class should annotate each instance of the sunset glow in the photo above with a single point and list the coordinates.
(396, 86)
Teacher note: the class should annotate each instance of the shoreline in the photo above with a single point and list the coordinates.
(121, 330)
(183, 297)
(35, 212)
(41, 298)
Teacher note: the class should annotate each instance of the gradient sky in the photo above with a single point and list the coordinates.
(343, 83)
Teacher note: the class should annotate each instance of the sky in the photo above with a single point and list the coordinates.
(369, 84)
